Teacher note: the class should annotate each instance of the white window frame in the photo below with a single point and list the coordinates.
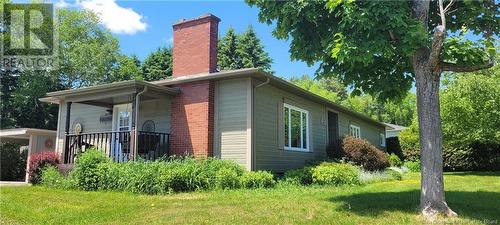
(382, 139)
(301, 124)
(354, 127)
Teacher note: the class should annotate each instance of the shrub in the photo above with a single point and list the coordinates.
(259, 179)
(38, 161)
(335, 174)
(364, 154)
(394, 160)
(86, 170)
(209, 169)
(139, 177)
(409, 141)
(394, 147)
(51, 177)
(302, 176)
(477, 156)
(13, 162)
(227, 178)
(413, 166)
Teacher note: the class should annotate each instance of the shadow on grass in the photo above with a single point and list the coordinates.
(478, 205)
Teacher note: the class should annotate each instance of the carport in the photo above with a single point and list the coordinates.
(37, 140)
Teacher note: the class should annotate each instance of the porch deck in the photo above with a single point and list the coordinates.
(118, 145)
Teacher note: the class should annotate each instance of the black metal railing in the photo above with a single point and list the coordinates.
(118, 145)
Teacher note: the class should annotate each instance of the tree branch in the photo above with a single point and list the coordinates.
(437, 45)
(452, 67)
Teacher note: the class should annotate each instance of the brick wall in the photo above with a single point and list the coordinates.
(195, 46)
(193, 119)
(195, 51)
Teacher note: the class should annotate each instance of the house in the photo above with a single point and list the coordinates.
(254, 118)
(393, 130)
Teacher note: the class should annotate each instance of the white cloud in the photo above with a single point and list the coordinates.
(116, 18)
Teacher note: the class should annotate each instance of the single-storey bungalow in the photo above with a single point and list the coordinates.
(252, 117)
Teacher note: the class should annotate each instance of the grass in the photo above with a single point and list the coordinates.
(474, 196)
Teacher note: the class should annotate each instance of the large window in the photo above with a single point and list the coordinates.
(296, 122)
(355, 131)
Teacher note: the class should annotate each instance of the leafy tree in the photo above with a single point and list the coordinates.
(252, 51)
(228, 58)
(8, 84)
(87, 51)
(327, 88)
(127, 68)
(26, 109)
(470, 108)
(380, 47)
(158, 64)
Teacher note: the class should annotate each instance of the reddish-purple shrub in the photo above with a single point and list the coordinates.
(364, 154)
(39, 160)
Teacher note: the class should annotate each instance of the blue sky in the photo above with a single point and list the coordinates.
(143, 26)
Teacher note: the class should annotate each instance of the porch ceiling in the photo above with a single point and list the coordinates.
(110, 94)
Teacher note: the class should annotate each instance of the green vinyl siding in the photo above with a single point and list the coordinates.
(268, 129)
(368, 131)
(231, 120)
(269, 152)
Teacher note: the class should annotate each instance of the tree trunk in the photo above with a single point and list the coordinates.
(432, 199)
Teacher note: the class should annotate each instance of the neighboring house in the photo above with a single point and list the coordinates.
(393, 130)
(254, 118)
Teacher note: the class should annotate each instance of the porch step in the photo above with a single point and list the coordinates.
(65, 168)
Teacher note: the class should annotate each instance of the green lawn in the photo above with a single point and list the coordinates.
(474, 196)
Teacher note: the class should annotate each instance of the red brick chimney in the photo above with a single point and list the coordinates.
(192, 120)
(195, 45)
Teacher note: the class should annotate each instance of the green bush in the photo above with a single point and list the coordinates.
(395, 160)
(364, 154)
(259, 179)
(227, 178)
(302, 176)
(209, 169)
(413, 166)
(86, 170)
(51, 177)
(335, 174)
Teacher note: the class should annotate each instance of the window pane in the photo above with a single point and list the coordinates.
(286, 116)
(304, 130)
(295, 128)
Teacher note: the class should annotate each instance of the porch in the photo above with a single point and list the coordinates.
(126, 120)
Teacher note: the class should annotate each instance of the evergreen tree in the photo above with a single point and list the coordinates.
(252, 51)
(242, 51)
(228, 58)
(158, 64)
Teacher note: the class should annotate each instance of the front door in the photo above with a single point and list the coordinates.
(122, 124)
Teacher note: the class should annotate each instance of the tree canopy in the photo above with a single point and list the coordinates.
(158, 64)
(236, 51)
(369, 44)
